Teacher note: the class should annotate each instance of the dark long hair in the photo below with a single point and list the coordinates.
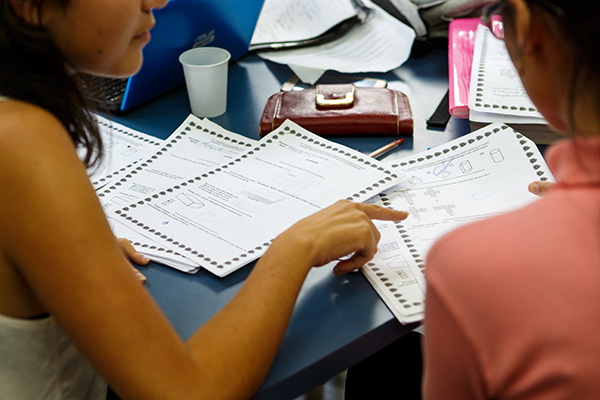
(582, 30)
(34, 70)
(578, 24)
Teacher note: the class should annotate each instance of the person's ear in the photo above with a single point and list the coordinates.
(27, 10)
(522, 24)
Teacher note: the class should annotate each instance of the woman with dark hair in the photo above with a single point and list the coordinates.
(34, 71)
(513, 302)
(72, 313)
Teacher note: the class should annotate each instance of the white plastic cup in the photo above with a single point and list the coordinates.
(205, 70)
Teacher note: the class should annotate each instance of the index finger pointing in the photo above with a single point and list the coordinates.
(374, 211)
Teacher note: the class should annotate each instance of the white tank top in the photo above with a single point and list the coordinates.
(38, 361)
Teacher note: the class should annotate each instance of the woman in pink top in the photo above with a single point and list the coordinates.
(513, 302)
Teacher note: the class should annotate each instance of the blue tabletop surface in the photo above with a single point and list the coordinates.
(337, 321)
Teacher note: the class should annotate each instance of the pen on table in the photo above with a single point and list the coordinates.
(383, 151)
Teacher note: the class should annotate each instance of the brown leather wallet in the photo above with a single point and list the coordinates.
(341, 110)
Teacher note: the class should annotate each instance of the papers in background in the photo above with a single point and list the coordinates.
(409, 9)
(227, 217)
(381, 44)
(496, 93)
(292, 20)
(195, 147)
(123, 147)
(479, 175)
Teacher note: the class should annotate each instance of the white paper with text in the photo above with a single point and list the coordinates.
(123, 147)
(228, 217)
(476, 176)
(196, 146)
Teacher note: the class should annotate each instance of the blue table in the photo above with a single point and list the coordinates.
(337, 321)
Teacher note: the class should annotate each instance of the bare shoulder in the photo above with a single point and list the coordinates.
(40, 165)
(33, 142)
(27, 124)
(17, 113)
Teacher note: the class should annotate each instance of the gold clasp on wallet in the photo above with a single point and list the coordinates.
(337, 101)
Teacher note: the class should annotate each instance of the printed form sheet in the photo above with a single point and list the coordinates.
(289, 20)
(381, 44)
(225, 218)
(123, 147)
(479, 175)
(196, 146)
(497, 94)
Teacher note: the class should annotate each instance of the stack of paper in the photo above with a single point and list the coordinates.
(194, 148)
(213, 199)
(496, 93)
(123, 147)
(291, 20)
(380, 44)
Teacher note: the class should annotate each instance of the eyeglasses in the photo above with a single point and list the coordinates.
(492, 18)
(492, 15)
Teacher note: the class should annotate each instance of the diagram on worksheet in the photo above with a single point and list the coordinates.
(226, 217)
(478, 176)
(189, 200)
(496, 86)
(195, 147)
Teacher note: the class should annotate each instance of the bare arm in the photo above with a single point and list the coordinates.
(268, 296)
(53, 230)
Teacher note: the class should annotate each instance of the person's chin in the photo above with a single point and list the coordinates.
(129, 66)
(120, 72)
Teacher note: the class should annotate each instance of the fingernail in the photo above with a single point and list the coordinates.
(534, 188)
(140, 276)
